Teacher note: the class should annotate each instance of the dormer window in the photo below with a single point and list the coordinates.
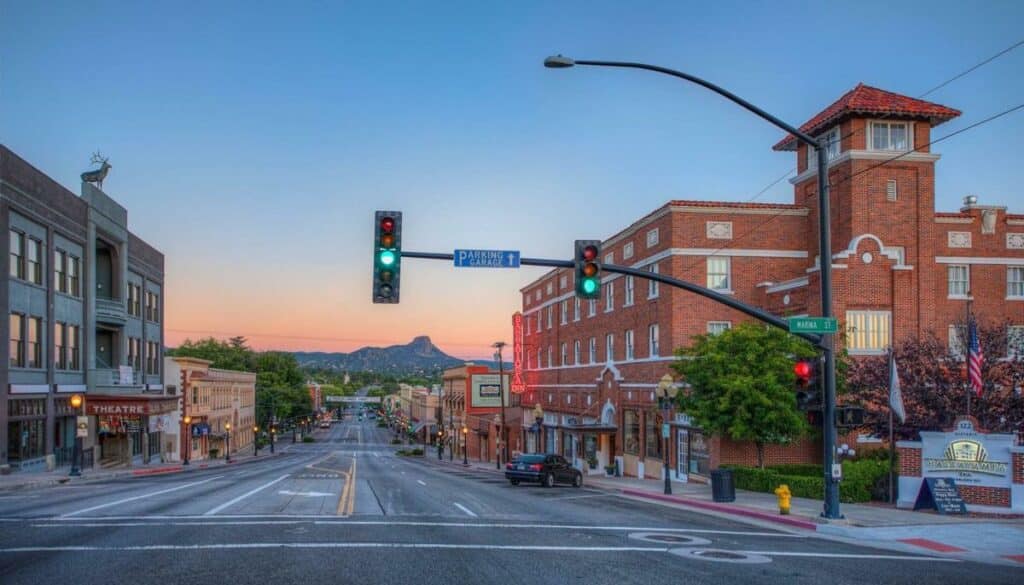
(890, 136)
(832, 151)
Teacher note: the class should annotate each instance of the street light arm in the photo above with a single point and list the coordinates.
(803, 137)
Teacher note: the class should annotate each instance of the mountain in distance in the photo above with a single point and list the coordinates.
(418, 357)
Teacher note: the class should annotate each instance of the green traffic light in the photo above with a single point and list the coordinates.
(387, 257)
(589, 285)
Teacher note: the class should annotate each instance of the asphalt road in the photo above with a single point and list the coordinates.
(345, 509)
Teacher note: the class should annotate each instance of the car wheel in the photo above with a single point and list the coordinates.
(514, 481)
(549, 480)
(577, 480)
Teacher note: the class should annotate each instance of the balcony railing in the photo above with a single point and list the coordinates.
(113, 377)
(111, 310)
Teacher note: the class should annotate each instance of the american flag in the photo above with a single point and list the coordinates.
(974, 359)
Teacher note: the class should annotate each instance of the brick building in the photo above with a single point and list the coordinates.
(900, 269)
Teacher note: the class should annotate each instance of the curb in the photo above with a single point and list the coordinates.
(731, 510)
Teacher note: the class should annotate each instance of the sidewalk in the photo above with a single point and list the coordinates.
(30, 480)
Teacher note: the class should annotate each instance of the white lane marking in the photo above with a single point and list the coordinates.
(421, 482)
(243, 496)
(305, 494)
(846, 556)
(258, 545)
(465, 509)
(143, 496)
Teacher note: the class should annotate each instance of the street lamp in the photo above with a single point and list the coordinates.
(273, 431)
(497, 442)
(187, 433)
(227, 442)
(826, 343)
(255, 441)
(440, 445)
(76, 451)
(499, 345)
(538, 417)
(666, 396)
(465, 445)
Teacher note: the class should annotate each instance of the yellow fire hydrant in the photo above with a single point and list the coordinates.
(784, 495)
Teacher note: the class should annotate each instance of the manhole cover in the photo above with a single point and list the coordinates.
(720, 556)
(663, 538)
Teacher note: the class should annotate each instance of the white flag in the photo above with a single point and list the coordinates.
(895, 394)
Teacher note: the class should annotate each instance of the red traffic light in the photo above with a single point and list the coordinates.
(590, 252)
(802, 370)
(387, 224)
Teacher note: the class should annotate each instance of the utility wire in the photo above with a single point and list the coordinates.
(965, 72)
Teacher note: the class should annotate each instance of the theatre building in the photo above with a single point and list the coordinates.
(900, 269)
(84, 303)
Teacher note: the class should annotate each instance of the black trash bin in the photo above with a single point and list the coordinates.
(722, 487)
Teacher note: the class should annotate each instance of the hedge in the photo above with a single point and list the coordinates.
(860, 479)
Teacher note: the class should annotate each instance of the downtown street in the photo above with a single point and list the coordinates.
(346, 509)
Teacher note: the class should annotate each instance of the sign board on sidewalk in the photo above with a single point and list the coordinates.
(82, 426)
(813, 325)
(353, 399)
(486, 258)
(942, 494)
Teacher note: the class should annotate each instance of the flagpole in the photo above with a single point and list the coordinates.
(966, 352)
(892, 444)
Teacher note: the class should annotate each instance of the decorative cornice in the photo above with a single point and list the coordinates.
(878, 155)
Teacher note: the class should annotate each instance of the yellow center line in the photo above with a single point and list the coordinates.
(352, 492)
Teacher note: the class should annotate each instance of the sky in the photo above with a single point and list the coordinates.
(251, 142)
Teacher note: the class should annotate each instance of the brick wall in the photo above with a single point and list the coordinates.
(985, 496)
(1018, 467)
(909, 461)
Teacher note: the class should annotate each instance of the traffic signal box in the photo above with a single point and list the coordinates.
(808, 395)
(588, 269)
(387, 256)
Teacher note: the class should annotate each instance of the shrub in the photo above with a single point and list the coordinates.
(214, 453)
(802, 469)
(308, 439)
(862, 479)
(396, 441)
(803, 486)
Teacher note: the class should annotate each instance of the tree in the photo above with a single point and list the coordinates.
(933, 381)
(742, 384)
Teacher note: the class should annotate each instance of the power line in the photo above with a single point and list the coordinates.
(965, 72)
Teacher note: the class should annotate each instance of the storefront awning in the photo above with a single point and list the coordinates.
(599, 429)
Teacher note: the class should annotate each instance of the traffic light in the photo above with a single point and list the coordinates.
(387, 256)
(588, 269)
(808, 396)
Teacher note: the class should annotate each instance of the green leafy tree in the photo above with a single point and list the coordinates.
(742, 384)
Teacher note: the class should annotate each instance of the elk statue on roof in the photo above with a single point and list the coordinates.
(99, 174)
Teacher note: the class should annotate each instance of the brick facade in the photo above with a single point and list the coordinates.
(909, 461)
(891, 251)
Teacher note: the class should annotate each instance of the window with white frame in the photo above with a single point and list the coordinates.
(551, 356)
(890, 136)
(652, 285)
(652, 341)
(540, 315)
(609, 297)
(831, 151)
(540, 359)
(868, 331)
(565, 312)
(528, 321)
(609, 258)
(576, 309)
(564, 353)
(958, 276)
(551, 309)
(716, 327)
(1015, 341)
(576, 352)
(592, 308)
(652, 237)
(629, 291)
(536, 295)
(593, 350)
(609, 347)
(956, 343)
(718, 273)
(550, 287)
(562, 282)
(890, 190)
(629, 344)
(627, 251)
(1015, 282)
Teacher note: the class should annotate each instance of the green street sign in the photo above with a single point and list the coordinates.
(813, 325)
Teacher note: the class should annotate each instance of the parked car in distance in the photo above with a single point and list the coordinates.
(325, 424)
(546, 470)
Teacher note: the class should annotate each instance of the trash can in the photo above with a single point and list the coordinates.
(722, 487)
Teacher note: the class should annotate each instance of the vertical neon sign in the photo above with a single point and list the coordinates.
(518, 386)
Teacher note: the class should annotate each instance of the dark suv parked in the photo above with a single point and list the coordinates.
(544, 469)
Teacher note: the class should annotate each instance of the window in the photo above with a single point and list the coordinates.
(565, 312)
(35, 342)
(576, 309)
(564, 353)
(652, 237)
(540, 359)
(59, 345)
(716, 327)
(576, 352)
(831, 151)
(627, 251)
(35, 264)
(592, 308)
(74, 359)
(561, 282)
(551, 356)
(652, 341)
(528, 322)
(17, 347)
(867, 331)
(609, 347)
(550, 287)
(652, 437)
(551, 309)
(718, 273)
(1015, 341)
(17, 254)
(152, 357)
(135, 353)
(890, 136)
(629, 291)
(890, 190)
(60, 271)
(1015, 282)
(536, 295)
(152, 307)
(74, 287)
(631, 432)
(652, 285)
(629, 344)
(593, 349)
(956, 345)
(609, 258)
(539, 314)
(609, 298)
(958, 276)
(135, 299)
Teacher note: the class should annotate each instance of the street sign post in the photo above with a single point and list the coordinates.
(486, 258)
(813, 325)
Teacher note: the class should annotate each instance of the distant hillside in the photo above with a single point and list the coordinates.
(419, 357)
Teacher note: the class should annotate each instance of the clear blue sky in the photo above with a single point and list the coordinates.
(252, 141)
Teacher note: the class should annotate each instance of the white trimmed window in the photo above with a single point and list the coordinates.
(550, 287)
(593, 349)
(562, 282)
(564, 353)
(540, 359)
(609, 297)
(536, 295)
(956, 344)
(652, 237)
(576, 309)
(716, 327)
(1015, 282)
(868, 332)
(890, 136)
(959, 278)
(551, 309)
(609, 347)
(576, 352)
(629, 291)
(652, 285)
(540, 315)
(592, 308)
(526, 300)
(832, 150)
(551, 356)
(528, 321)
(652, 341)
(627, 251)
(565, 312)
(890, 190)
(609, 258)
(629, 344)
(718, 273)
(1015, 341)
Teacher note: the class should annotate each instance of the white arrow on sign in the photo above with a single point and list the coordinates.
(305, 494)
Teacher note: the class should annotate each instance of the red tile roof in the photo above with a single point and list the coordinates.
(734, 204)
(865, 99)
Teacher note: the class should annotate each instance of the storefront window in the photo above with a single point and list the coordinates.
(631, 432)
(549, 444)
(567, 446)
(590, 450)
(652, 436)
(26, 439)
(699, 455)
